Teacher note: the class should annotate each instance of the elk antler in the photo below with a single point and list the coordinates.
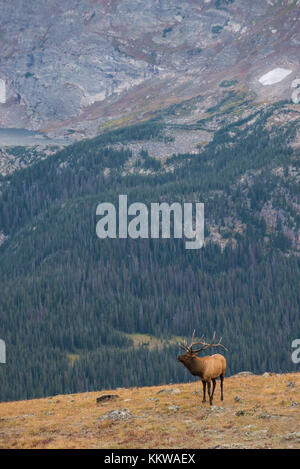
(184, 346)
(206, 346)
(189, 348)
(195, 343)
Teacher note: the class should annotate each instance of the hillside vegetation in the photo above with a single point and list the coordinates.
(258, 412)
(73, 303)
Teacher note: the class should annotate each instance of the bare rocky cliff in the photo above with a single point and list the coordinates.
(73, 67)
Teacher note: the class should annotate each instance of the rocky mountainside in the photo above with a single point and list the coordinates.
(76, 67)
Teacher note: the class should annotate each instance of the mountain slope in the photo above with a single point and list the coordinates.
(72, 67)
(188, 101)
(70, 301)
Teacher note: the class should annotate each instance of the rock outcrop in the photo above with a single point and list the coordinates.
(76, 65)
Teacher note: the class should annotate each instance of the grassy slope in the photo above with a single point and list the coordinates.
(263, 417)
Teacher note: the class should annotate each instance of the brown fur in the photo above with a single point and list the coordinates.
(208, 368)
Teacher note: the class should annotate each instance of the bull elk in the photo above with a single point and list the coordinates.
(208, 368)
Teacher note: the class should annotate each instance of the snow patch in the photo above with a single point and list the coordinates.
(274, 76)
(296, 96)
(296, 83)
(233, 27)
(178, 18)
(296, 91)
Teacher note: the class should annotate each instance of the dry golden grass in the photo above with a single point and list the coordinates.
(258, 412)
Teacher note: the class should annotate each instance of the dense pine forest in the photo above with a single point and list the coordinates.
(71, 303)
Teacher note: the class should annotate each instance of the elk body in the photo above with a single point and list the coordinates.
(208, 368)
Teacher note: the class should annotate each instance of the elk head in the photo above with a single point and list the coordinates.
(190, 354)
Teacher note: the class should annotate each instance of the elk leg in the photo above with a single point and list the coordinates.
(204, 391)
(222, 379)
(213, 390)
(209, 393)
